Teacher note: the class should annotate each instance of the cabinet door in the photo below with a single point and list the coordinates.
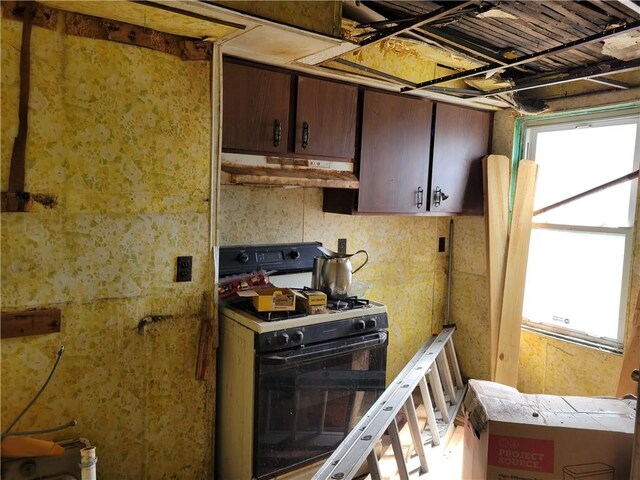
(256, 109)
(326, 118)
(394, 155)
(461, 140)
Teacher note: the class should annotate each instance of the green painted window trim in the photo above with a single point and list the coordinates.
(516, 154)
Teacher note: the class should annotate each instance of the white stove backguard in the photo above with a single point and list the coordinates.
(291, 280)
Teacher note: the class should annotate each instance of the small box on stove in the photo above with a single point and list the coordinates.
(273, 300)
(314, 298)
(311, 302)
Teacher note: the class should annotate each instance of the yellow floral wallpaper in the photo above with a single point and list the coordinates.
(121, 136)
(405, 270)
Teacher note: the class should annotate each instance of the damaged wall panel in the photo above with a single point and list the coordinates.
(121, 136)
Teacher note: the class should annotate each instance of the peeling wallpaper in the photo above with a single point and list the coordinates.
(120, 135)
(405, 271)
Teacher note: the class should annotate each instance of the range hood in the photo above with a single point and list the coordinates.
(239, 169)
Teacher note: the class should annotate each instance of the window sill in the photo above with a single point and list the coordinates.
(603, 347)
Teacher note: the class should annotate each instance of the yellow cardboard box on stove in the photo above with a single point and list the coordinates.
(509, 435)
(311, 302)
(271, 299)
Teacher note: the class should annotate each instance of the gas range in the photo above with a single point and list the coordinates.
(291, 387)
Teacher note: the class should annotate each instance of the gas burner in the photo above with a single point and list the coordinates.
(349, 303)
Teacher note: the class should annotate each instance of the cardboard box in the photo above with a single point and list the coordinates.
(271, 299)
(513, 436)
(311, 302)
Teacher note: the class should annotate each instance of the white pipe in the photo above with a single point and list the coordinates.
(88, 462)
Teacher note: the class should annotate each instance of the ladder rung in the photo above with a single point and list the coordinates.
(438, 393)
(416, 434)
(396, 445)
(374, 466)
(422, 371)
(443, 365)
(454, 362)
(431, 416)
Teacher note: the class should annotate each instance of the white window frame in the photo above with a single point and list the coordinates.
(530, 128)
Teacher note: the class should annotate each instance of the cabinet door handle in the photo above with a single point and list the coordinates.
(277, 132)
(305, 134)
(420, 197)
(439, 196)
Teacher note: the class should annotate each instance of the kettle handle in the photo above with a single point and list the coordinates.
(365, 262)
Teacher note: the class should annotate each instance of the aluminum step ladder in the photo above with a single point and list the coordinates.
(434, 375)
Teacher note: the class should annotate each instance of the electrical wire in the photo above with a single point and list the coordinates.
(69, 424)
(33, 400)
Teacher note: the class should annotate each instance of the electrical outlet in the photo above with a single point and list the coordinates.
(342, 245)
(441, 244)
(183, 269)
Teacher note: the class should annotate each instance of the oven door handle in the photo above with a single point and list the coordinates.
(329, 350)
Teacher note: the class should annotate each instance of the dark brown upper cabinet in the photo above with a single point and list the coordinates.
(461, 139)
(394, 154)
(401, 174)
(326, 118)
(262, 104)
(256, 109)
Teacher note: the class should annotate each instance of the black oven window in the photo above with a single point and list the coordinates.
(306, 408)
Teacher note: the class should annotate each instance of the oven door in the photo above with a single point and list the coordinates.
(309, 398)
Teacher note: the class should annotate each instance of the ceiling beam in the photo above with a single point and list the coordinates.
(373, 71)
(415, 22)
(630, 5)
(491, 68)
(611, 82)
(580, 73)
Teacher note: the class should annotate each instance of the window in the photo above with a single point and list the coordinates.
(580, 253)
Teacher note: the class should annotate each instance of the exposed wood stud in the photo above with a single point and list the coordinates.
(497, 178)
(515, 275)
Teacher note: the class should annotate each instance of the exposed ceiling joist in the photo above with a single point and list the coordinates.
(492, 68)
(581, 73)
(611, 82)
(416, 22)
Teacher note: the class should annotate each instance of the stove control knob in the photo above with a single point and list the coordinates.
(283, 339)
(360, 325)
(297, 336)
(294, 254)
(243, 257)
(371, 323)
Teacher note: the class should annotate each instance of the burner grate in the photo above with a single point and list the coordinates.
(349, 303)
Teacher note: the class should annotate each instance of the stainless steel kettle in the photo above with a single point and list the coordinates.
(333, 273)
